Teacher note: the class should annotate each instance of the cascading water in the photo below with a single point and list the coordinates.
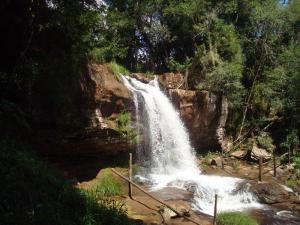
(172, 161)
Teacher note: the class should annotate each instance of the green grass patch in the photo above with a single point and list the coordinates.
(118, 69)
(107, 186)
(235, 218)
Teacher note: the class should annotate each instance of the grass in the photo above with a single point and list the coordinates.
(118, 69)
(33, 194)
(107, 186)
(235, 218)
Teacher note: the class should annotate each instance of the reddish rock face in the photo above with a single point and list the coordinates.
(103, 96)
(201, 113)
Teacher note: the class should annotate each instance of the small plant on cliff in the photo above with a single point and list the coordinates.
(124, 127)
(235, 218)
(118, 69)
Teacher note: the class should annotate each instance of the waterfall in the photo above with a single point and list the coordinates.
(171, 161)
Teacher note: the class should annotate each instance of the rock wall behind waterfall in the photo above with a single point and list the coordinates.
(204, 116)
(203, 113)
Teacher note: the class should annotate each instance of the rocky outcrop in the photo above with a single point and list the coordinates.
(171, 80)
(204, 116)
(257, 152)
(103, 97)
(272, 192)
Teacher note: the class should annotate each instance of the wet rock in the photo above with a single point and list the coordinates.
(272, 192)
(257, 152)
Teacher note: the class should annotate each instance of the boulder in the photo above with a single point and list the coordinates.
(238, 154)
(257, 152)
(272, 192)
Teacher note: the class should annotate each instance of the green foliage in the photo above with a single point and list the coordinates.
(235, 218)
(291, 141)
(118, 69)
(293, 182)
(32, 194)
(125, 127)
(107, 53)
(296, 160)
(226, 79)
(178, 67)
(265, 141)
(107, 186)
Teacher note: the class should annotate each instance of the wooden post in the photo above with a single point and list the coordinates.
(222, 161)
(215, 209)
(274, 165)
(130, 176)
(260, 168)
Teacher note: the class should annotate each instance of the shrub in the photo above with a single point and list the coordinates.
(235, 218)
(124, 127)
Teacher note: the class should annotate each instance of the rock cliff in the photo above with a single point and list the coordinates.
(203, 112)
(103, 97)
(204, 115)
